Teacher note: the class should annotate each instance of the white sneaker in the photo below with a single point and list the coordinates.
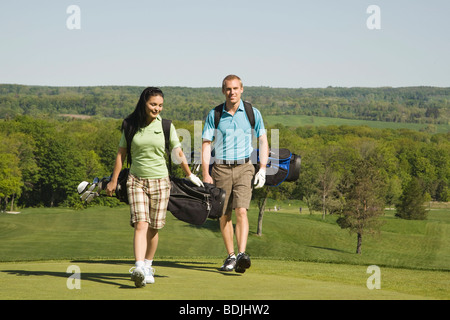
(229, 263)
(138, 276)
(149, 273)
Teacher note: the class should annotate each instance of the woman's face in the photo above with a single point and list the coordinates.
(153, 107)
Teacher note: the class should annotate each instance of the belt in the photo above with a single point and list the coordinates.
(232, 162)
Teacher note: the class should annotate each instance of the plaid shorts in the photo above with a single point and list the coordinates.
(148, 200)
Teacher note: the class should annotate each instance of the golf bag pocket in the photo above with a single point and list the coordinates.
(217, 200)
(282, 165)
(193, 204)
(121, 189)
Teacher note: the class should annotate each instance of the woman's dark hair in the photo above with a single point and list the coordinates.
(138, 118)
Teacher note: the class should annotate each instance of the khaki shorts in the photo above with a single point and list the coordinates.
(148, 200)
(236, 180)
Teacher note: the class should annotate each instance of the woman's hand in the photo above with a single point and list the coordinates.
(195, 180)
(111, 188)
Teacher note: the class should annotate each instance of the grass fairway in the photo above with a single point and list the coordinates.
(199, 279)
(298, 257)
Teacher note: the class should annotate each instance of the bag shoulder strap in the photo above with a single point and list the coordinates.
(250, 113)
(248, 110)
(166, 123)
(127, 138)
(166, 129)
(217, 114)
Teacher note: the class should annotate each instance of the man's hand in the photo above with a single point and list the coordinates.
(208, 179)
(260, 179)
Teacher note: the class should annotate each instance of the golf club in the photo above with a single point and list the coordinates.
(82, 187)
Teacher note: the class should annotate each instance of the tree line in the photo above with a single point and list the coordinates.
(42, 160)
(410, 104)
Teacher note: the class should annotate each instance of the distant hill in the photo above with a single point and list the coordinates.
(425, 105)
(311, 121)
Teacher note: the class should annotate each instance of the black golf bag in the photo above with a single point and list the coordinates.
(193, 204)
(187, 202)
(121, 189)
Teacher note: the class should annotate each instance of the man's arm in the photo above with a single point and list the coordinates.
(206, 158)
(263, 151)
(260, 177)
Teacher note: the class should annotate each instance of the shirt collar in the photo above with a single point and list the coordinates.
(158, 117)
(241, 106)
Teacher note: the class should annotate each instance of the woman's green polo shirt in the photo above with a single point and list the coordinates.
(148, 149)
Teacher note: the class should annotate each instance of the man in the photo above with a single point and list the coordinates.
(232, 169)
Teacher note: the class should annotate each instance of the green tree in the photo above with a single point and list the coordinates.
(411, 203)
(10, 178)
(10, 172)
(332, 169)
(62, 169)
(364, 198)
(24, 147)
(307, 187)
(443, 191)
(393, 191)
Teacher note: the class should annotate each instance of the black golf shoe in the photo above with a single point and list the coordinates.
(242, 262)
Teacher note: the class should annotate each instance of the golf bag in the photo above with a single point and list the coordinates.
(193, 204)
(282, 165)
(190, 203)
(121, 189)
(187, 202)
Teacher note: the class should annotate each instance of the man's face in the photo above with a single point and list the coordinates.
(233, 91)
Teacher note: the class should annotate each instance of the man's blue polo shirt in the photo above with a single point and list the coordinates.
(234, 134)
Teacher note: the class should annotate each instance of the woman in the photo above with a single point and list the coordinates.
(148, 184)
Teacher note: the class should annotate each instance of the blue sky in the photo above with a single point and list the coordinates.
(284, 43)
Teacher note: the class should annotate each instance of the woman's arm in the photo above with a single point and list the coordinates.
(120, 158)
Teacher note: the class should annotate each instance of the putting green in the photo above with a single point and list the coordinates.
(199, 279)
